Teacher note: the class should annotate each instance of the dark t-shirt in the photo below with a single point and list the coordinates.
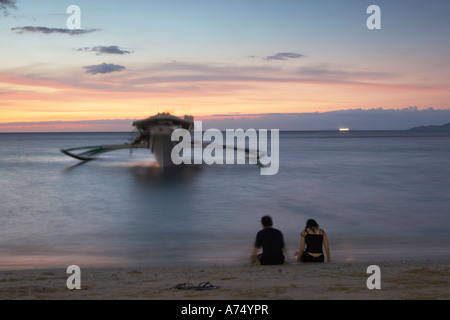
(272, 243)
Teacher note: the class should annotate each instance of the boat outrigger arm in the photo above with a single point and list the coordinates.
(154, 134)
(91, 152)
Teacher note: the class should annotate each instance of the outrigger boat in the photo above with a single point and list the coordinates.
(154, 134)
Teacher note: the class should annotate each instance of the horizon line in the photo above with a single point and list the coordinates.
(356, 119)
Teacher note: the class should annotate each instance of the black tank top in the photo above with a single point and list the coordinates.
(314, 243)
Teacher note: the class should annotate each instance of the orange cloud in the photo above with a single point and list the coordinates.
(202, 90)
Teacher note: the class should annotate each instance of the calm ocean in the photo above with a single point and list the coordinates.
(379, 195)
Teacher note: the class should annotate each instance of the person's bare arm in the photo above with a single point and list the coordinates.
(253, 259)
(327, 247)
(302, 247)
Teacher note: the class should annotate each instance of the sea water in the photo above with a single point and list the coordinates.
(378, 195)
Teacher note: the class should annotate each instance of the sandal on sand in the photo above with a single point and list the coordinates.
(205, 286)
(183, 286)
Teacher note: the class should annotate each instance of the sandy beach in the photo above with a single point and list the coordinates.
(400, 280)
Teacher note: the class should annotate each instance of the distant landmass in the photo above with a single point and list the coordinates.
(444, 127)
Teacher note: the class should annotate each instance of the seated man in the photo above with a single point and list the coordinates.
(272, 243)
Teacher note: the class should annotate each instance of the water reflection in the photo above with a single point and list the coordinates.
(150, 173)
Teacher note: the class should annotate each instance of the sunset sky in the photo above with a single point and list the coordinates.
(212, 58)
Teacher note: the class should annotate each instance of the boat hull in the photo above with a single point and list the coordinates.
(161, 145)
(157, 132)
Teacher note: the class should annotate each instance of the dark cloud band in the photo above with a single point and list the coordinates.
(284, 56)
(103, 68)
(105, 50)
(5, 5)
(45, 30)
(280, 56)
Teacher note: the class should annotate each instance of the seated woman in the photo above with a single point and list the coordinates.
(315, 240)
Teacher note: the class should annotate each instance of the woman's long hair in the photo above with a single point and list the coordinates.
(312, 225)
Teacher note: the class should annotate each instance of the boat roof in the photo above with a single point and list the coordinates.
(165, 118)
